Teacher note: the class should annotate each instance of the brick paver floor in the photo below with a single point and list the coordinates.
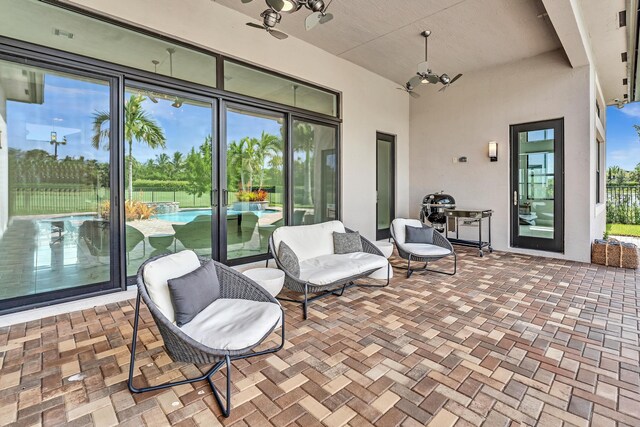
(510, 339)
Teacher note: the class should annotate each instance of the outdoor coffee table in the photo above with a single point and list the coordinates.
(271, 279)
(385, 247)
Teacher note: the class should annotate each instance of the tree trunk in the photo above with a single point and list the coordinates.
(307, 178)
(130, 170)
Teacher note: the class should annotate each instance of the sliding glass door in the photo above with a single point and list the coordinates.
(315, 172)
(253, 185)
(55, 184)
(169, 158)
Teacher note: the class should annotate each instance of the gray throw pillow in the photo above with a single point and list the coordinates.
(346, 243)
(288, 259)
(418, 234)
(193, 292)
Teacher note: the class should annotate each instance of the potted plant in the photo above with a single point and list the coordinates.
(251, 200)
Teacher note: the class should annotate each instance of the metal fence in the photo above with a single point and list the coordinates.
(39, 201)
(623, 204)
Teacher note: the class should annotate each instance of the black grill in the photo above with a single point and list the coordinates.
(433, 206)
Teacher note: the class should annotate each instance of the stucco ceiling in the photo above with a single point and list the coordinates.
(608, 41)
(384, 36)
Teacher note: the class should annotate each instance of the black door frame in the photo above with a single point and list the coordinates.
(526, 242)
(213, 195)
(385, 233)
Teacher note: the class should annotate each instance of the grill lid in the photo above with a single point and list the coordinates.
(439, 199)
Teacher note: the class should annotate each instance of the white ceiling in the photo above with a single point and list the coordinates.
(608, 41)
(384, 36)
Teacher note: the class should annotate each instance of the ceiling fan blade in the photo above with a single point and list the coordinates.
(278, 34)
(247, 1)
(443, 88)
(276, 5)
(414, 95)
(415, 81)
(432, 78)
(254, 25)
(312, 20)
(326, 18)
(455, 78)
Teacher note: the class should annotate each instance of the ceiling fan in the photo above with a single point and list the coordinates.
(425, 75)
(272, 16)
(409, 89)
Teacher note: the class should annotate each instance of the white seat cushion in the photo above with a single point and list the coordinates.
(425, 249)
(399, 230)
(158, 272)
(233, 324)
(326, 269)
(308, 241)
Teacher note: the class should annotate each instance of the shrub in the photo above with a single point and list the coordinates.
(133, 210)
(158, 185)
(252, 196)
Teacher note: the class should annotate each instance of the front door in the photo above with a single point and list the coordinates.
(385, 184)
(537, 190)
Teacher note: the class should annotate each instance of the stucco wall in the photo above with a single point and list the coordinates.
(479, 108)
(370, 102)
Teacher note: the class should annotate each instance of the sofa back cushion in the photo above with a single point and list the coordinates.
(398, 226)
(308, 241)
(157, 273)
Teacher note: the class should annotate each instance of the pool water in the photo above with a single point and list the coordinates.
(188, 216)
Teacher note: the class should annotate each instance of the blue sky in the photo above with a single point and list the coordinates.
(623, 143)
(69, 105)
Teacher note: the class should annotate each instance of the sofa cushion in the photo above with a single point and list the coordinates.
(327, 269)
(308, 241)
(193, 292)
(346, 243)
(422, 234)
(399, 225)
(425, 249)
(288, 259)
(233, 324)
(157, 273)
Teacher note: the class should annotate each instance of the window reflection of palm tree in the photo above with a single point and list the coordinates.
(138, 126)
(303, 140)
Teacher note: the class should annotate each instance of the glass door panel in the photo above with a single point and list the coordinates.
(54, 183)
(315, 164)
(537, 196)
(168, 175)
(254, 201)
(385, 184)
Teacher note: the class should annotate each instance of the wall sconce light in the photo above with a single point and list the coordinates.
(493, 151)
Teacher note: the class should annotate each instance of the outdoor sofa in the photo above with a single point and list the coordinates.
(317, 269)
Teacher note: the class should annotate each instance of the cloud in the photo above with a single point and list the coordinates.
(632, 110)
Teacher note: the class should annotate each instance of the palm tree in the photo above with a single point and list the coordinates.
(303, 139)
(177, 164)
(615, 174)
(138, 126)
(163, 163)
(267, 146)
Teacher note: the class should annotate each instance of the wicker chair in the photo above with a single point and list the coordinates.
(183, 348)
(419, 252)
(337, 288)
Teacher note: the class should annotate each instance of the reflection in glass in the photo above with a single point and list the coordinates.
(536, 181)
(252, 82)
(384, 183)
(314, 173)
(255, 180)
(168, 179)
(47, 25)
(52, 182)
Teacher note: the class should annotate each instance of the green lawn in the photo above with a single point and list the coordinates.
(623, 230)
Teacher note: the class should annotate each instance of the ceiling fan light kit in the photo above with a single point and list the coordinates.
(272, 16)
(424, 75)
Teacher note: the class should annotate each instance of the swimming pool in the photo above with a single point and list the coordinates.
(188, 216)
